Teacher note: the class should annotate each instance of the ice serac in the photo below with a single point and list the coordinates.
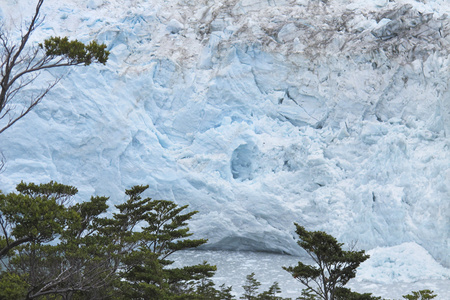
(333, 114)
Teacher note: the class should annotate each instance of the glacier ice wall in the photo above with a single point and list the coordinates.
(257, 114)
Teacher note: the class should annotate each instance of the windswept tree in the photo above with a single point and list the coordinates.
(21, 63)
(145, 253)
(420, 295)
(53, 249)
(333, 267)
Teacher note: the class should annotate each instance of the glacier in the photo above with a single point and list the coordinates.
(333, 114)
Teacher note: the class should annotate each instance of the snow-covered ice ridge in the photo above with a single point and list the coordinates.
(333, 114)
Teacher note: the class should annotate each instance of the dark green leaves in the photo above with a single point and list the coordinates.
(333, 267)
(163, 231)
(251, 290)
(303, 271)
(420, 295)
(53, 247)
(12, 286)
(347, 294)
(251, 287)
(50, 247)
(74, 51)
(37, 214)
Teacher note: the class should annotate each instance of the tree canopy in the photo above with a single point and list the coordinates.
(333, 267)
(420, 295)
(50, 247)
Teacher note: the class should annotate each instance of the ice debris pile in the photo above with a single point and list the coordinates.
(334, 114)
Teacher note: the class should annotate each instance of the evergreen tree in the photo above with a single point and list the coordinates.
(307, 294)
(204, 289)
(333, 268)
(251, 290)
(271, 294)
(31, 222)
(51, 249)
(347, 294)
(251, 287)
(144, 253)
(420, 295)
(37, 214)
(225, 293)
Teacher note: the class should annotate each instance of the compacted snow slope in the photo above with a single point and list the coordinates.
(333, 114)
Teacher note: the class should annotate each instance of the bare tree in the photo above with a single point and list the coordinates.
(21, 64)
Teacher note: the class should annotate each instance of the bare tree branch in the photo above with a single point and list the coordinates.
(21, 64)
(32, 104)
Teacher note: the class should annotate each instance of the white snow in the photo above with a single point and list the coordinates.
(407, 262)
(258, 114)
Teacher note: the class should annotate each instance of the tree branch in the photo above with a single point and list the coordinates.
(18, 64)
(30, 107)
(16, 243)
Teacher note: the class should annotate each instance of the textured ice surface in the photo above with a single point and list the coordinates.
(255, 113)
(407, 262)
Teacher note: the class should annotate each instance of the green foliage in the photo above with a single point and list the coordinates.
(333, 268)
(12, 286)
(51, 249)
(50, 245)
(420, 295)
(251, 287)
(307, 294)
(37, 214)
(347, 294)
(74, 51)
(203, 288)
(251, 290)
(224, 293)
(271, 294)
(52, 189)
(144, 254)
